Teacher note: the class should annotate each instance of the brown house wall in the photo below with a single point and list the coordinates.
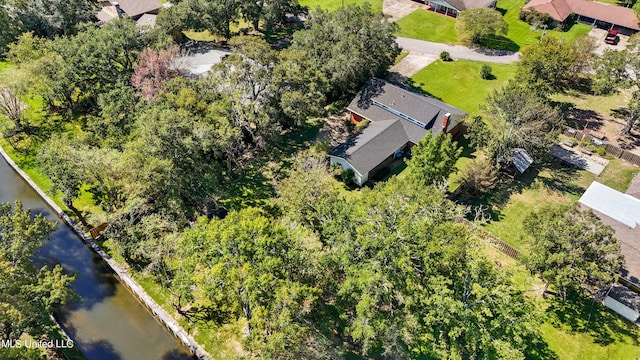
(355, 118)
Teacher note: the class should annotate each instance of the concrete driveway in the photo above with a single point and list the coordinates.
(599, 34)
(397, 9)
(413, 63)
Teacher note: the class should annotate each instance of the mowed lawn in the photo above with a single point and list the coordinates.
(513, 200)
(376, 5)
(521, 33)
(428, 25)
(459, 83)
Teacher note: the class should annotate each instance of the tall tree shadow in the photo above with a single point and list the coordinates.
(580, 314)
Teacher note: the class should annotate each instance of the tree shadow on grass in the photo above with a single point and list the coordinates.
(497, 42)
(562, 175)
(255, 183)
(414, 86)
(580, 314)
(505, 188)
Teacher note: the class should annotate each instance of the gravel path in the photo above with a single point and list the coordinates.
(458, 51)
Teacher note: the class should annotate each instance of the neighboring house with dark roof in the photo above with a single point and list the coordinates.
(454, 7)
(142, 11)
(592, 12)
(398, 118)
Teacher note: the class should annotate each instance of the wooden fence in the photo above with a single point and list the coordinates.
(600, 143)
(492, 240)
(497, 244)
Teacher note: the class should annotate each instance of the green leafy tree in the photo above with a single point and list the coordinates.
(272, 12)
(433, 159)
(246, 265)
(349, 46)
(75, 70)
(114, 122)
(415, 284)
(617, 70)
(64, 165)
(610, 72)
(199, 15)
(519, 118)
(53, 18)
(571, 247)
(479, 177)
(8, 30)
(549, 65)
(31, 294)
(310, 194)
(474, 25)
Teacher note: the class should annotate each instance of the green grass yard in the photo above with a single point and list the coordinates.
(521, 33)
(513, 200)
(376, 5)
(428, 25)
(577, 329)
(459, 83)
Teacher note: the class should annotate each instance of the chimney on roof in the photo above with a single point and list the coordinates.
(445, 122)
(116, 6)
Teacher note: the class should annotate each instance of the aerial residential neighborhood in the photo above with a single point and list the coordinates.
(319, 179)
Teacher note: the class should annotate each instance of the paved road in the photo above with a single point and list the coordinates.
(458, 51)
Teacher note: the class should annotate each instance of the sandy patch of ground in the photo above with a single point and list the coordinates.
(335, 130)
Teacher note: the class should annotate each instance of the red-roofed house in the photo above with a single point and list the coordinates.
(596, 13)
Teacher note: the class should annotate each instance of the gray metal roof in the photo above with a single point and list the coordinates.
(521, 160)
(621, 207)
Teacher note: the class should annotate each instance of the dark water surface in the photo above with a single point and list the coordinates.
(108, 322)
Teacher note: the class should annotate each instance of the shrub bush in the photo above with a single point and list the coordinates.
(485, 72)
(445, 56)
(536, 18)
(347, 176)
(361, 125)
(601, 151)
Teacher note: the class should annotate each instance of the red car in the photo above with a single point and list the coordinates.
(612, 37)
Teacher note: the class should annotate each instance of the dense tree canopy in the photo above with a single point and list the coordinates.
(571, 248)
(349, 46)
(384, 270)
(552, 64)
(433, 159)
(31, 294)
(518, 118)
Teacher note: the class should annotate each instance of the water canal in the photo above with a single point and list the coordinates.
(108, 322)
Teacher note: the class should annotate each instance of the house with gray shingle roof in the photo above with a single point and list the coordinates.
(399, 119)
(145, 10)
(453, 8)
